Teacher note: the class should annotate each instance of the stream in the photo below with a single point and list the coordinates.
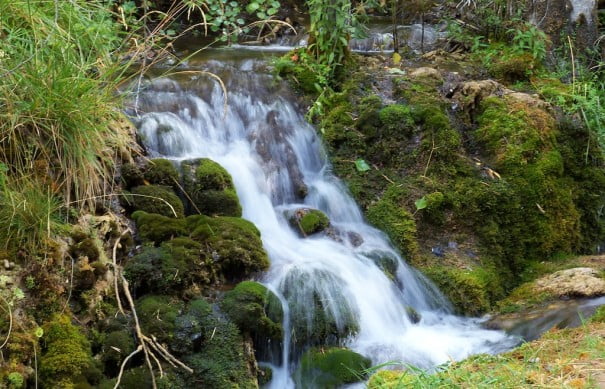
(258, 133)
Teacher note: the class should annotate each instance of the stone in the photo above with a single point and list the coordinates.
(576, 282)
(427, 72)
(308, 221)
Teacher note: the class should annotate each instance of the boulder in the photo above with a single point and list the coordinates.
(308, 221)
(576, 282)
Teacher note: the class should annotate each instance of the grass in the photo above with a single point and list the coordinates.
(571, 358)
(60, 119)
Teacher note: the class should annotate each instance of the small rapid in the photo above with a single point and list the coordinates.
(258, 133)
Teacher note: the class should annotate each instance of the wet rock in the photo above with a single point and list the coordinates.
(209, 187)
(576, 282)
(426, 72)
(354, 238)
(412, 314)
(308, 221)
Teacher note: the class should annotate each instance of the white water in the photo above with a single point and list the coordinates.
(264, 142)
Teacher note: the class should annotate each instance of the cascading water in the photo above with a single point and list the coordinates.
(259, 135)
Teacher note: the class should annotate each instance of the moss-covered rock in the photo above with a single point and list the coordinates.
(116, 347)
(234, 244)
(221, 361)
(255, 310)
(210, 188)
(161, 172)
(320, 313)
(156, 199)
(157, 228)
(331, 368)
(131, 175)
(397, 120)
(307, 221)
(389, 215)
(66, 354)
(157, 315)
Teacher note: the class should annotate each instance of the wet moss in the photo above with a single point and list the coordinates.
(66, 354)
(156, 199)
(397, 120)
(309, 221)
(157, 315)
(157, 228)
(255, 310)
(117, 345)
(131, 175)
(210, 188)
(331, 368)
(234, 244)
(161, 172)
(389, 215)
(512, 67)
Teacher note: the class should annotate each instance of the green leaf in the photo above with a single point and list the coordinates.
(39, 332)
(250, 8)
(18, 294)
(261, 15)
(362, 166)
(240, 21)
(421, 203)
(271, 11)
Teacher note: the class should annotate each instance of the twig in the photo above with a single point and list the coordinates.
(10, 323)
(132, 354)
(116, 270)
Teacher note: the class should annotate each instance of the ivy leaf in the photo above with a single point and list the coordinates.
(421, 203)
(362, 166)
(250, 8)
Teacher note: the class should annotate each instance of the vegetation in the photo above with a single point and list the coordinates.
(330, 368)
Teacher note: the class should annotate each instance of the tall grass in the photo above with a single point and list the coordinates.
(58, 110)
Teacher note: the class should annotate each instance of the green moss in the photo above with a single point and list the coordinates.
(157, 228)
(320, 313)
(512, 67)
(161, 172)
(368, 121)
(470, 291)
(313, 221)
(87, 247)
(389, 215)
(221, 361)
(302, 77)
(255, 310)
(234, 244)
(599, 315)
(157, 315)
(156, 199)
(15, 380)
(111, 357)
(264, 376)
(330, 368)
(66, 354)
(397, 120)
(210, 187)
(131, 175)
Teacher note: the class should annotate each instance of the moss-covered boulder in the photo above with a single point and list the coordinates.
(156, 269)
(255, 310)
(157, 228)
(210, 188)
(221, 360)
(116, 347)
(66, 354)
(320, 313)
(331, 368)
(307, 221)
(396, 120)
(156, 199)
(131, 175)
(234, 244)
(161, 172)
(157, 315)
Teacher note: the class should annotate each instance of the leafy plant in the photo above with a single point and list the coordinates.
(529, 39)
(228, 16)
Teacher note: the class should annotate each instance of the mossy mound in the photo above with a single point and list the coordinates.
(234, 244)
(210, 188)
(117, 345)
(161, 172)
(255, 310)
(396, 120)
(157, 315)
(157, 228)
(320, 313)
(308, 221)
(156, 199)
(330, 368)
(66, 354)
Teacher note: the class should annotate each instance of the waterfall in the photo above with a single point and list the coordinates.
(258, 133)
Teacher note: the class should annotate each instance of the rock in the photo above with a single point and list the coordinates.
(413, 314)
(331, 368)
(354, 238)
(308, 221)
(426, 72)
(576, 282)
(209, 187)
(469, 94)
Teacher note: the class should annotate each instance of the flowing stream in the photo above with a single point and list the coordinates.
(260, 136)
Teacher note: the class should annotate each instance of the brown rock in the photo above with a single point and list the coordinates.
(577, 282)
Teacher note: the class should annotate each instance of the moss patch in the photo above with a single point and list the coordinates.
(156, 199)
(330, 368)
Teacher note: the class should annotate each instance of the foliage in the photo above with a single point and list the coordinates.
(58, 110)
(228, 16)
(330, 368)
(529, 39)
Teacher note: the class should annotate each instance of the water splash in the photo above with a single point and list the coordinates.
(270, 150)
